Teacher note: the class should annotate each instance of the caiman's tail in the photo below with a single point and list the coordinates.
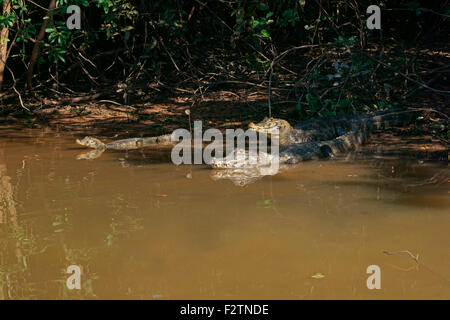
(364, 127)
(393, 118)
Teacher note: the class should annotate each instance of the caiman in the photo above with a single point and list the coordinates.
(124, 144)
(327, 136)
(312, 139)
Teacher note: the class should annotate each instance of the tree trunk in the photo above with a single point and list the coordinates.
(4, 42)
(37, 44)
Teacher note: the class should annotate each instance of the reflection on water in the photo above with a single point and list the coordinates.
(142, 228)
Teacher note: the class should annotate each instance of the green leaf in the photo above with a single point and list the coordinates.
(318, 275)
(265, 33)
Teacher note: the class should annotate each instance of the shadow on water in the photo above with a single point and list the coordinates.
(414, 182)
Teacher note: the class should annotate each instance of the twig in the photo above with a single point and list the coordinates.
(229, 28)
(275, 60)
(421, 9)
(15, 90)
(110, 101)
(429, 110)
(168, 53)
(37, 5)
(20, 98)
(422, 84)
(415, 258)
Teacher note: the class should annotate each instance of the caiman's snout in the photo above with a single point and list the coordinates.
(268, 125)
(91, 142)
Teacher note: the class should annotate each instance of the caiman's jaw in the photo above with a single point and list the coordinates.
(269, 126)
(91, 142)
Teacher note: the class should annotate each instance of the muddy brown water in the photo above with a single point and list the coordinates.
(142, 228)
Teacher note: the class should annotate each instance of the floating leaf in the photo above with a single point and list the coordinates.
(318, 275)
(268, 203)
(162, 195)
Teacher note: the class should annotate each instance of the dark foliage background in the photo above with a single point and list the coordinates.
(320, 52)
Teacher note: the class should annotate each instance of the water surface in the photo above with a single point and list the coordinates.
(142, 228)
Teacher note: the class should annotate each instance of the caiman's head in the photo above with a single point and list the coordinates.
(269, 125)
(91, 142)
